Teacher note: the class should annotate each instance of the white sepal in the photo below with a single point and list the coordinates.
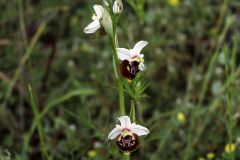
(98, 10)
(92, 27)
(139, 46)
(139, 130)
(123, 54)
(115, 132)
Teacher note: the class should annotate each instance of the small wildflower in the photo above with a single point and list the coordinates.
(70, 63)
(95, 25)
(97, 144)
(181, 117)
(72, 127)
(174, 2)
(229, 148)
(210, 155)
(117, 7)
(127, 134)
(92, 153)
(132, 60)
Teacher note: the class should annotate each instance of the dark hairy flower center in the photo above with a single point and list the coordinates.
(127, 143)
(129, 69)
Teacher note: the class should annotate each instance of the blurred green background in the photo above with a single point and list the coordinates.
(57, 81)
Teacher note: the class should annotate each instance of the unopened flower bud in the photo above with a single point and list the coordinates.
(117, 7)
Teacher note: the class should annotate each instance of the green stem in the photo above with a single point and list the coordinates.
(120, 80)
(39, 124)
(121, 97)
(116, 61)
(126, 156)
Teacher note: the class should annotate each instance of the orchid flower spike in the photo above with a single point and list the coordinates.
(95, 25)
(127, 134)
(117, 7)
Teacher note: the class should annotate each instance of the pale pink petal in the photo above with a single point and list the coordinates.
(125, 121)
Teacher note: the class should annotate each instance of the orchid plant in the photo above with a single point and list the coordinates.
(127, 64)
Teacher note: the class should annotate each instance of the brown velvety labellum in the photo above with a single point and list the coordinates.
(128, 69)
(128, 143)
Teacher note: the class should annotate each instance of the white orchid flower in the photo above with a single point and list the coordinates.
(126, 125)
(95, 25)
(133, 54)
(127, 134)
(117, 7)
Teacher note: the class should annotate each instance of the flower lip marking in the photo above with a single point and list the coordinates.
(128, 143)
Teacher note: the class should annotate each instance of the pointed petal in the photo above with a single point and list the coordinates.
(114, 133)
(139, 46)
(125, 121)
(141, 66)
(98, 10)
(139, 130)
(123, 53)
(92, 27)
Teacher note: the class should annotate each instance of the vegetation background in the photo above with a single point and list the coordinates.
(58, 97)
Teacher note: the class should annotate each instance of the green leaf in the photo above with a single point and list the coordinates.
(74, 93)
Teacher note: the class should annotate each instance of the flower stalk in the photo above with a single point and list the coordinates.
(116, 62)
(126, 156)
(120, 83)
